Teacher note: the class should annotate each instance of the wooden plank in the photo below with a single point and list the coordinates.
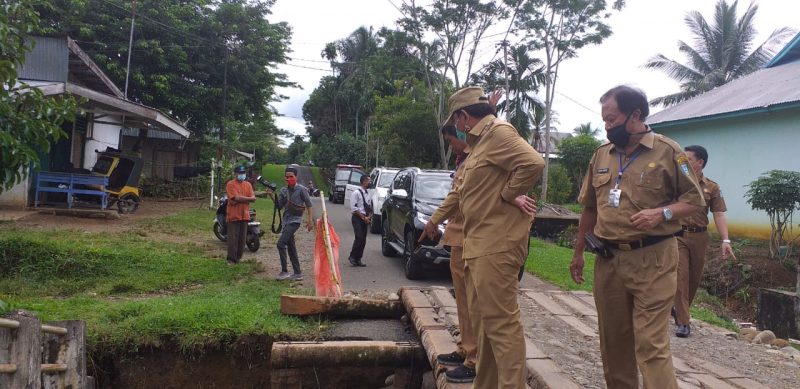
(547, 375)
(711, 382)
(578, 325)
(532, 351)
(576, 304)
(25, 351)
(72, 352)
(437, 341)
(340, 307)
(681, 366)
(414, 298)
(717, 370)
(746, 383)
(426, 318)
(588, 299)
(547, 303)
(443, 298)
(292, 355)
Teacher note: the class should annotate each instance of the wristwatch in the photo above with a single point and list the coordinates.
(667, 213)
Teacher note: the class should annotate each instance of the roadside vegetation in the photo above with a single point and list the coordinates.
(145, 286)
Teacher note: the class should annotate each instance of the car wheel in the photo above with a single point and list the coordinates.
(375, 224)
(413, 267)
(386, 249)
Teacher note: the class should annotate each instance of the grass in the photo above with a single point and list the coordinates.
(133, 289)
(318, 180)
(273, 173)
(214, 315)
(551, 263)
(574, 207)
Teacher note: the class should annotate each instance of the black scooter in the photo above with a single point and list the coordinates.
(254, 231)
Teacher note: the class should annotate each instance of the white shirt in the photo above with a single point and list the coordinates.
(357, 201)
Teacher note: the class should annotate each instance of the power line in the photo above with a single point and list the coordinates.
(578, 103)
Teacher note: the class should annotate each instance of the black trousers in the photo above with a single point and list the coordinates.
(237, 235)
(360, 232)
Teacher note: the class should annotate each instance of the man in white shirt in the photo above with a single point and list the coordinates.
(361, 207)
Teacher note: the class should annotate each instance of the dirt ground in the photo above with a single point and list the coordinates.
(737, 282)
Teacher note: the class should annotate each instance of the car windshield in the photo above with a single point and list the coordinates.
(342, 175)
(432, 188)
(386, 179)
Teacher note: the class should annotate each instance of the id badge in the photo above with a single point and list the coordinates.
(613, 197)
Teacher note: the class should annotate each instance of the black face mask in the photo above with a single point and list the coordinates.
(618, 135)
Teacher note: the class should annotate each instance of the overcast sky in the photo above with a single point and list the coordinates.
(641, 30)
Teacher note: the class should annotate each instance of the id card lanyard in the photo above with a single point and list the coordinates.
(615, 194)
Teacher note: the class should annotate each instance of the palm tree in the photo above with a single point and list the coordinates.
(721, 52)
(525, 74)
(586, 129)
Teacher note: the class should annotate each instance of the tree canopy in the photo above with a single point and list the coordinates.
(28, 120)
(205, 62)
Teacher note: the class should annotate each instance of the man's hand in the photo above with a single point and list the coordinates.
(576, 268)
(429, 231)
(310, 225)
(494, 98)
(526, 204)
(647, 219)
(727, 250)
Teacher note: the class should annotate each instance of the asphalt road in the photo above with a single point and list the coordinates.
(382, 274)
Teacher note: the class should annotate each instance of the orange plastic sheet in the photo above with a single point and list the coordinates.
(326, 284)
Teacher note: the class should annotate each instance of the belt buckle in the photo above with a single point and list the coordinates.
(624, 246)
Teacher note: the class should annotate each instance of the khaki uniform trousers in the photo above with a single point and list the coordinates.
(492, 290)
(467, 346)
(634, 292)
(692, 248)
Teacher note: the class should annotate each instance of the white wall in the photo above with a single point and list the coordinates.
(103, 135)
(17, 196)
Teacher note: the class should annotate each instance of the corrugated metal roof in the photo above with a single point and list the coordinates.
(151, 133)
(764, 88)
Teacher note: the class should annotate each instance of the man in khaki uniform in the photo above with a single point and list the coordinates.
(636, 189)
(500, 170)
(693, 245)
(466, 355)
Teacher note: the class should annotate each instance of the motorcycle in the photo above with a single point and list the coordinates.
(254, 231)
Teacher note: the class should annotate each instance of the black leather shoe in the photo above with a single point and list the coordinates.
(683, 331)
(353, 262)
(460, 374)
(452, 359)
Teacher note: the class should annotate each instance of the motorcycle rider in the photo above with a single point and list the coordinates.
(295, 200)
(240, 195)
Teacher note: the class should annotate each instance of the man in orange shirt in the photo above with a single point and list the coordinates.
(240, 195)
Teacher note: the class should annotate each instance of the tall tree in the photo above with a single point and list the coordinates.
(721, 52)
(458, 27)
(204, 61)
(28, 120)
(559, 28)
(520, 75)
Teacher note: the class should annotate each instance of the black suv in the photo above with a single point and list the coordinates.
(413, 197)
(345, 176)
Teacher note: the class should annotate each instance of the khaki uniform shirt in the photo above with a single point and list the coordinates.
(660, 175)
(500, 167)
(454, 231)
(714, 201)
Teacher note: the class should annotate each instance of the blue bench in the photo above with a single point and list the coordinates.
(72, 184)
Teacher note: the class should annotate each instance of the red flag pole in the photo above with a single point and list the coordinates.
(328, 247)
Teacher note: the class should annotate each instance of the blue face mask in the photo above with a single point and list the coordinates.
(241, 177)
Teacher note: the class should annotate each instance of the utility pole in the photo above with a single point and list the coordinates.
(130, 48)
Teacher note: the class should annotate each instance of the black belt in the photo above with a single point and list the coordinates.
(694, 229)
(644, 242)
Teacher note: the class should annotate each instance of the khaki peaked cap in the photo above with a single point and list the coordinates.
(464, 98)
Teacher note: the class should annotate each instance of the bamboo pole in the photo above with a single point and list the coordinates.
(54, 330)
(328, 247)
(8, 368)
(7, 323)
